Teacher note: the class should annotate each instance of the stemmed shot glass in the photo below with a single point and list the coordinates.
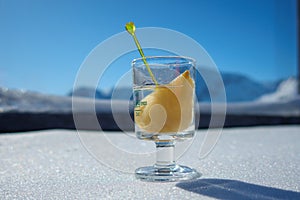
(164, 95)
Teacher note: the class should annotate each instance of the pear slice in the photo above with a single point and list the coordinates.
(169, 108)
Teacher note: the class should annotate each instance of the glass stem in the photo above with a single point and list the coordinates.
(165, 155)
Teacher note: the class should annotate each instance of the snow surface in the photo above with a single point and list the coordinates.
(246, 163)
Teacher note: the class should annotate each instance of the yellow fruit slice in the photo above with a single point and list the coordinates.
(169, 108)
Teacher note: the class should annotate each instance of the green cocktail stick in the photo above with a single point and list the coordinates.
(130, 28)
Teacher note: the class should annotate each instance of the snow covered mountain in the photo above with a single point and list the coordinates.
(252, 103)
(286, 90)
(239, 88)
(89, 93)
(21, 100)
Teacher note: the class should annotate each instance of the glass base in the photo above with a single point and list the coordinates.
(175, 173)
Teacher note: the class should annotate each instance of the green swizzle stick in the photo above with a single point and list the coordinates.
(130, 28)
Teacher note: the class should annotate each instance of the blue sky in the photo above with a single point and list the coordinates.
(44, 42)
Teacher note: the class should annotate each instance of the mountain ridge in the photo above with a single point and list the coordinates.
(238, 88)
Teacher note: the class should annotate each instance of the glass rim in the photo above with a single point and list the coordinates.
(189, 59)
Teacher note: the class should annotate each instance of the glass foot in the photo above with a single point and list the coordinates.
(175, 173)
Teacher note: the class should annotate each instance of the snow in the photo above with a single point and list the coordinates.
(287, 90)
(27, 101)
(246, 163)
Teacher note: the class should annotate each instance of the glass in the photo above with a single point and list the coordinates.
(164, 112)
